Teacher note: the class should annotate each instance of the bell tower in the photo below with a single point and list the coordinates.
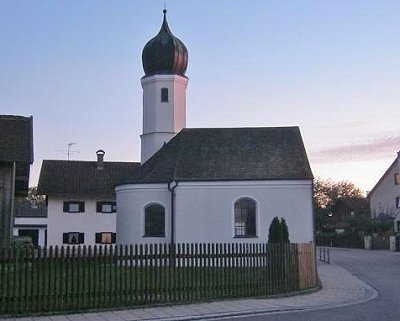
(165, 60)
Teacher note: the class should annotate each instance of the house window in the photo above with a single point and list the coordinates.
(245, 218)
(154, 221)
(106, 207)
(74, 207)
(397, 179)
(397, 202)
(73, 238)
(105, 238)
(164, 95)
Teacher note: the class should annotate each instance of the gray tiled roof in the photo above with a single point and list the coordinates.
(16, 139)
(208, 154)
(82, 178)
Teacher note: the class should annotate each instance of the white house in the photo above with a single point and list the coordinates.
(81, 199)
(208, 184)
(385, 195)
(30, 219)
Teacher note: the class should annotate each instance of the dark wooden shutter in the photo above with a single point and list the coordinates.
(65, 237)
(99, 206)
(66, 207)
(81, 206)
(81, 238)
(98, 238)
(113, 237)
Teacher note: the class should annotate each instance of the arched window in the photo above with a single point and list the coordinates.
(245, 218)
(154, 221)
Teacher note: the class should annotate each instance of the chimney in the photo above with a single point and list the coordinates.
(100, 159)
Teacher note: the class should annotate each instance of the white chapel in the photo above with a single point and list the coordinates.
(207, 184)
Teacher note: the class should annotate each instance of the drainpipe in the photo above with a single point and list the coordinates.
(171, 187)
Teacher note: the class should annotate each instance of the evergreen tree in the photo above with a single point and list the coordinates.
(278, 231)
(285, 231)
(275, 231)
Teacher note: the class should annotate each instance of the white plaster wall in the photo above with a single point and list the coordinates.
(205, 210)
(131, 202)
(162, 117)
(88, 222)
(383, 198)
(152, 142)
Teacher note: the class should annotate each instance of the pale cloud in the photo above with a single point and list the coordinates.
(381, 148)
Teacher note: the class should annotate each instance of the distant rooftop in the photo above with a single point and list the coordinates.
(83, 178)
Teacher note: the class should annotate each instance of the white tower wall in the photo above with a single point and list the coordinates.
(162, 120)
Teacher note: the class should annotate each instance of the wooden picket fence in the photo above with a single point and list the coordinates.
(89, 277)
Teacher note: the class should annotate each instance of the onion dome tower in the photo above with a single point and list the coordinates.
(165, 60)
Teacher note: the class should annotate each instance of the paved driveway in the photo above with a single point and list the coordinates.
(380, 269)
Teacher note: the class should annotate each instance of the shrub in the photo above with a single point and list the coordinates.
(278, 231)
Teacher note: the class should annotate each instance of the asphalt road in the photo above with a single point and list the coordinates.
(380, 269)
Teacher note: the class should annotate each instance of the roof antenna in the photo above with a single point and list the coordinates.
(68, 152)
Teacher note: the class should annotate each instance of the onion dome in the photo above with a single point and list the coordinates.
(165, 53)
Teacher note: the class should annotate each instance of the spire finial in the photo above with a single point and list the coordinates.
(165, 8)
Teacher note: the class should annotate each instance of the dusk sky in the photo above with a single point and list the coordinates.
(330, 67)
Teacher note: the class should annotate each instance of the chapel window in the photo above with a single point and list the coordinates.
(245, 218)
(154, 221)
(164, 95)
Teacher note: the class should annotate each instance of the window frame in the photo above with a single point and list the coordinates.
(146, 224)
(99, 237)
(396, 179)
(67, 206)
(248, 227)
(100, 209)
(68, 235)
(397, 202)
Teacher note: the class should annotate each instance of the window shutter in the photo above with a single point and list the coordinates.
(98, 237)
(66, 207)
(65, 237)
(81, 207)
(113, 237)
(81, 238)
(98, 207)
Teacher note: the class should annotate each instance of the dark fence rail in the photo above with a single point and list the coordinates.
(78, 278)
(340, 240)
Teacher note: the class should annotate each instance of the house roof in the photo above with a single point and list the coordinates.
(82, 178)
(387, 172)
(16, 139)
(209, 154)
